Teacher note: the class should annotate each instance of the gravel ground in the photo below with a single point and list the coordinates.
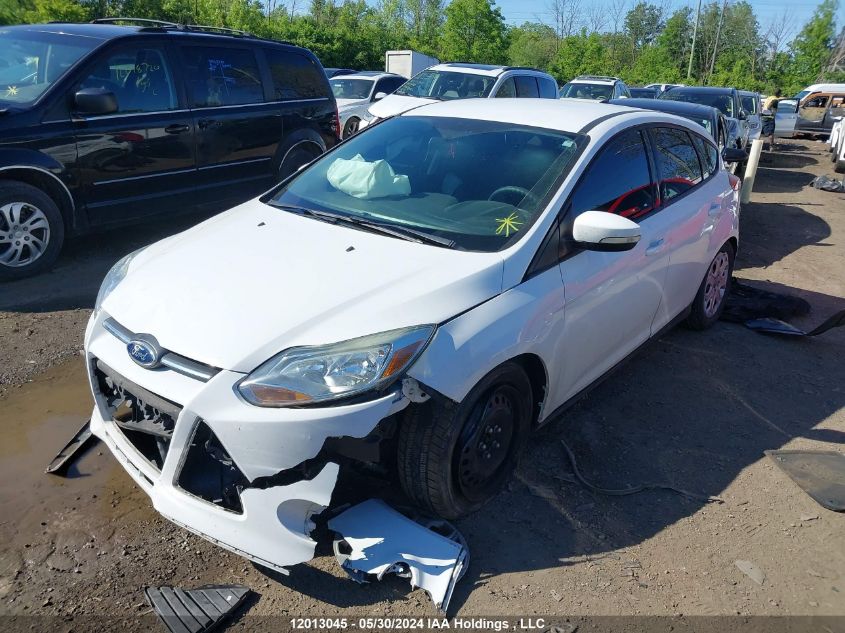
(696, 410)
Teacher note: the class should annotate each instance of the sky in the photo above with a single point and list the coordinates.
(767, 11)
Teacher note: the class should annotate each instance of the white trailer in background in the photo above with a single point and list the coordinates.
(407, 63)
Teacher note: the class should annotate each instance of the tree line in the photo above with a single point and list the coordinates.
(641, 42)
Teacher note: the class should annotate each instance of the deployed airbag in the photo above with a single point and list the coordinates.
(366, 180)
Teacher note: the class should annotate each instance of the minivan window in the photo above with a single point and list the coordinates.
(32, 62)
(617, 181)
(723, 102)
(677, 162)
(296, 76)
(749, 104)
(548, 88)
(478, 184)
(526, 86)
(139, 77)
(219, 76)
(444, 85)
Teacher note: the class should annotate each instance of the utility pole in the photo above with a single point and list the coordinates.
(694, 35)
(716, 45)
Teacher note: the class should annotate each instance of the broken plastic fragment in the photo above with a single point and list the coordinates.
(374, 540)
(195, 610)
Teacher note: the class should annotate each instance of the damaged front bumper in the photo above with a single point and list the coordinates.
(246, 478)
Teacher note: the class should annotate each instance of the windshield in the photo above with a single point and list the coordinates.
(597, 92)
(749, 104)
(445, 85)
(801, 95)
(351, 88)
(722, 102)
(478, 184)
(31, 62)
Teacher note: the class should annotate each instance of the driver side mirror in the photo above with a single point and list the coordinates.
(602, 231)
(743, 115)
(379, 96)
(95, 101)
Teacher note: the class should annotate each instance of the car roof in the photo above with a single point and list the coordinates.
(566, 115)
(701, 89)
(97, 31)
(594, 79)
(367, 74)
(666, 105)
(482, 69)
(748, 93)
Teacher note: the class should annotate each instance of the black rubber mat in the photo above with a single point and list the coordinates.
(821, 474)
(195, 610)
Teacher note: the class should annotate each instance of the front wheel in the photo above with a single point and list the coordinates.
(31, 230)
(710, 300)
(453, 458)
(351, 127)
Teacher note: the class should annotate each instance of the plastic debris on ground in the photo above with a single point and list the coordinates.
(195, 610)
(71, 451)
(821, 474)
(373, 539)
(826, 183)
(782, 328)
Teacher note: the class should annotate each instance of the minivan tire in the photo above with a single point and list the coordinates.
(38, 202)
(445, 448)
(703, 313)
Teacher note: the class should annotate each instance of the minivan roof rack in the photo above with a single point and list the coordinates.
(216, 29)
(141, 21)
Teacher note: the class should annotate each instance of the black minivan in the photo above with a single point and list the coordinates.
(120, 120)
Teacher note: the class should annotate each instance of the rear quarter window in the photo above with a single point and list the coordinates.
(548, 89)
(708, 155)
(295, 76)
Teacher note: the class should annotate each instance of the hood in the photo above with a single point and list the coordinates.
(251, 282)
(395, 104)
(345, 103)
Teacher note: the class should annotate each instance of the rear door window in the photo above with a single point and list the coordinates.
(677, 162)
(507, 89)
(526, 86)
(219, 76)
(548, 89)
(618, 180)
(296, 76)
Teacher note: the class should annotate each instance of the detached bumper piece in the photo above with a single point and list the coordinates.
(195, 610)
(373, 539)
(73, 449)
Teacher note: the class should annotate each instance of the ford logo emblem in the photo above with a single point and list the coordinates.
(144, 351)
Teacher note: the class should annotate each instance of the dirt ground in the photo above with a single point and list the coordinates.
(695, 410)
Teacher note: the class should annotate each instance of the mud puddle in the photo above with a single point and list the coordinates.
(50, 521)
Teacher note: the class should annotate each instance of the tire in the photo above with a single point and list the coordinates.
(350, 128)
(444, 449)
(709, 303)
(298, 156)
(28, 218)
(839, 168)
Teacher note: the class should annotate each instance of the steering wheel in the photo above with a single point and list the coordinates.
(513, 190)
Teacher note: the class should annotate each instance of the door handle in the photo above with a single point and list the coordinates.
(177, 128)
(654, 248)
(206, 123)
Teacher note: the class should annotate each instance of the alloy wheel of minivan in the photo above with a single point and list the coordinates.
(454, 457)
(31, 230)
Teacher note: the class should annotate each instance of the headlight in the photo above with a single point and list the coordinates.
(306, 375)
(113, 278)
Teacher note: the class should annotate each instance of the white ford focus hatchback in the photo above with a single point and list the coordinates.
(417, 299)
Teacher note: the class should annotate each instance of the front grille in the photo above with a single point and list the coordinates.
(145, 419)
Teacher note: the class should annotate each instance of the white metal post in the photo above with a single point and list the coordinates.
(751, 170)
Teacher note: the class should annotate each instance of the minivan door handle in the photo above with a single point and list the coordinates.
(206, 123)
(654, 248)
(177, 128)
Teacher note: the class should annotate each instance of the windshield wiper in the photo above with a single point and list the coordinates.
(402, 232)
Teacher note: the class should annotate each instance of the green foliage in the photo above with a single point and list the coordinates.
(652, 45)
(474, 31)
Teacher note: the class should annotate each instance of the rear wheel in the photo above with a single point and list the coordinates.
(710, 300)
(31, 230)
(454, 458)
(298, 156)
(351, 127)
